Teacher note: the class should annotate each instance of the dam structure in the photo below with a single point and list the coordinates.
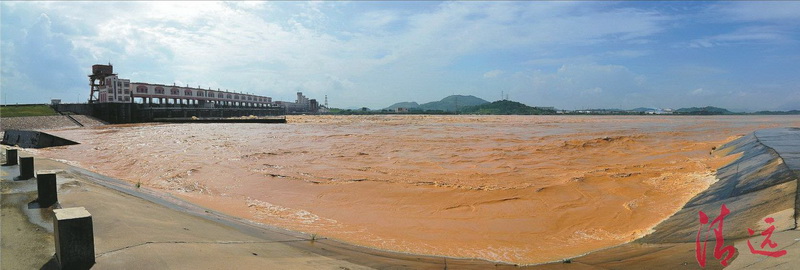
(118, 100)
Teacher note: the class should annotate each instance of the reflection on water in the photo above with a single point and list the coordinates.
(522, 189)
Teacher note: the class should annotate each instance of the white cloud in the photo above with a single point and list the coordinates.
(592, 91)
(32, 52)
(763, 11)
(699, 92)
(377, 20)
(492, 73)
(626, 53)
(560, 61)
(460, 27)
(745, 35)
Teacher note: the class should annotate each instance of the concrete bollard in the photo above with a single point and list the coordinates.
(11, 157)
(46, 184)
(25, 168)
(74, 237)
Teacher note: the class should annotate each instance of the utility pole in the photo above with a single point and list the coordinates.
(456, 104)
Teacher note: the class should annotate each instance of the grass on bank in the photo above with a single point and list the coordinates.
(26, 110)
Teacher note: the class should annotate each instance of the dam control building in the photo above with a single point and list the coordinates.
(108, 87)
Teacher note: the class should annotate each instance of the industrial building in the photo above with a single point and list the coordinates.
(302, 104)
(107, 87)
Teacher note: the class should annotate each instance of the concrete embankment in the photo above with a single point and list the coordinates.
(48, 122)
(761, 184)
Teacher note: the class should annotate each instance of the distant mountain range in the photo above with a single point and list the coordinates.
(448, 104)
(474, 105)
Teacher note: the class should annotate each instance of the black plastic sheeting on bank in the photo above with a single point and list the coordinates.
(33, 139)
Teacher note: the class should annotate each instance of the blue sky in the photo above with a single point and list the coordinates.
(570, 55)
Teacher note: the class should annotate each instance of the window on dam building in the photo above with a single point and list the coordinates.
(200, 93)
(187, 92)
(220, 95)
(141, 89)
(174, 91)
(159, 90)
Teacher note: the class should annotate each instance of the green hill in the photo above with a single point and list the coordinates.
(708, 110)
(408, 105)
(448, 104)
(792, 112)
(506, 107)
(451, 103)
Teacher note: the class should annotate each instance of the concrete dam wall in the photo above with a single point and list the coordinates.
(123, 113)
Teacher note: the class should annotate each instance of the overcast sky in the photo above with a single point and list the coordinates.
(570, 55)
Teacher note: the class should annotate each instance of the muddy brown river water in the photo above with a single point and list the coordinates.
(519, 189)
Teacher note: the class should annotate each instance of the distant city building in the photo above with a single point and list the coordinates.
(301, 104)
(660, 111)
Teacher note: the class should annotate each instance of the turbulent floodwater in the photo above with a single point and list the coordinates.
(521, 189)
